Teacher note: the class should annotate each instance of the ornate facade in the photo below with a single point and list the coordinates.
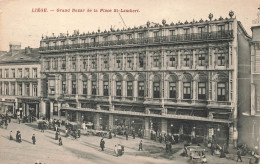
(170, 78)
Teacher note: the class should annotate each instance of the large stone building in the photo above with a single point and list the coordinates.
(20, 83)
(183, 78)
(250, 118)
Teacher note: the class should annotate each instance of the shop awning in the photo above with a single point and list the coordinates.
(170, 116)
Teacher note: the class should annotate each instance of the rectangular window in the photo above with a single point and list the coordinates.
(6, 88)
(55, 111)
(156, 90)
(20, 89)
(141, 35)
(12, 89)
(105, 38)
(186, 33)
(27, 89)
(221, 59)
(186, 60)
(6, 73)
(13, 73)
(118, 62)
(141, 60)
(172, 88)
(84, 63)
(129, 62)
(26, 74)
(47, 65)
(156, 61)
(129, 89)
(94, 88)
(35, 90)
(85, 87)
(201, 59)
(105, 60)
(73, 62)
(73, 87)
(20, 72)
(63, 86)
(0, 73)
(172, 61)
(202, 91)
(52, 87)
(105, 88)
(118, 37)
(186, 90)
(221, 92)
(93, 62)
(63, 63)
(55, 63)
(141, 89)
(34, 72)
(129, 36)
(118, 88)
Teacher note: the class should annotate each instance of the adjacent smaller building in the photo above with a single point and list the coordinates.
(20, 83)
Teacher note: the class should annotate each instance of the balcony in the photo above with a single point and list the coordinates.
(181, 38)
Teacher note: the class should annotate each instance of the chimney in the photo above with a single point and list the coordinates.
(28, 50)
(14, 47)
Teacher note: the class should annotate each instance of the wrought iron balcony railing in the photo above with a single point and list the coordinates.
(205, 36)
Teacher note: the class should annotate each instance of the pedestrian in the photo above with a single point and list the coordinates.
(19, 137)
(212, 149)
(19, 120)
(60, 141)
(56, 135)
(140, 146)
(79, 133)
(6, 124)
(133, 134)
(116, 151)
(33, 139)
(160, 137)
(11, 136)
(102, 144)
(239, 155)
(66, 133)
(126, 135)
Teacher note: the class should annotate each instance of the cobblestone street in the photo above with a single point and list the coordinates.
(85, 149)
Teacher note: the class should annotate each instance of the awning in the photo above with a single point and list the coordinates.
(182, 117)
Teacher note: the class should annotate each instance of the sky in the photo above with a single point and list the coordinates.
(19, 24)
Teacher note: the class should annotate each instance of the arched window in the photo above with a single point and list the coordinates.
(156, 86)
(105, 85)
(85, 84)
(129, 84)
(222, 87)
(172, 87)
(118, 86)
(202, 87)
(94, 85)
(141, 80)
(187, 86)
(73, 84)
(63, 84)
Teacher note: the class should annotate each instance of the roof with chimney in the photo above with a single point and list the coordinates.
(20, 56)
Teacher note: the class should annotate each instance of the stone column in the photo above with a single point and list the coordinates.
(51, 109)
(124, 85)
(147, 127)
(97, 121)
(59, 113)
(89, 90)
(180, 90)
(43, 109)
(36, 110)
(164, 125)
(179, 60)
(195, 90)
(111, 121)
(135, 87)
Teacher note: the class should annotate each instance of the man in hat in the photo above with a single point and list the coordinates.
(60, 141)
(33, 139)
(102, 144)
(140, 146)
